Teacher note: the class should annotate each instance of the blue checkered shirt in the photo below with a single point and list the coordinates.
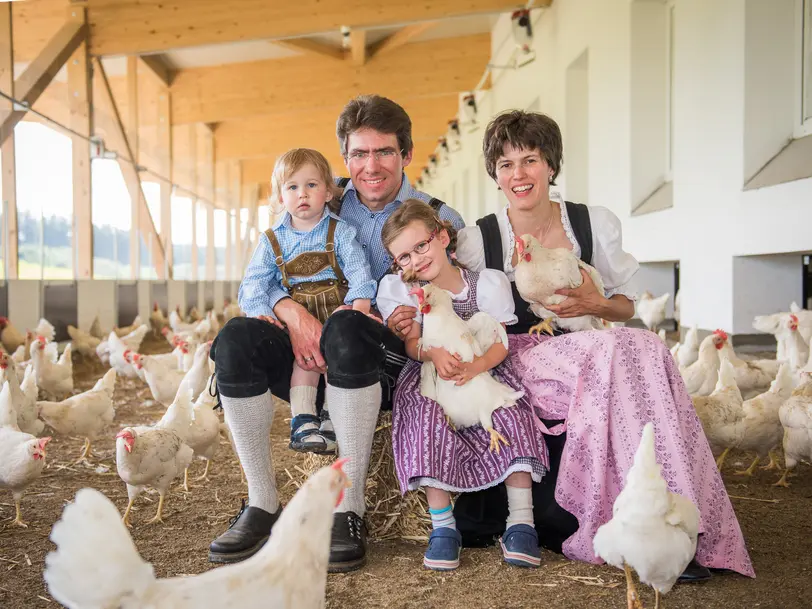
(261, 288)
(368, 224)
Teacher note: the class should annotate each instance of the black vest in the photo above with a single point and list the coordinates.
(494, 256)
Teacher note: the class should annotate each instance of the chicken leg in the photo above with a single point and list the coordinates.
(186, 479)
(749, 471)
(722, 458)
(783, 481)
(496, 437)
(157, 517)
(545, 325)
(632, 597)
(86, 451)
(656, 599)
(773, 464)
(18, 518)
(205, 475)
(450, 423)
(126, 518)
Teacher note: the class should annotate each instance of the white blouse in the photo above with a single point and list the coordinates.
(493, 296)
(617, 268)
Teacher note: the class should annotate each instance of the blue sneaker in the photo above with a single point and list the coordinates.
(520, 546)
(443, 553)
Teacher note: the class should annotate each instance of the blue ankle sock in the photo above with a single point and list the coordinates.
(443, 518)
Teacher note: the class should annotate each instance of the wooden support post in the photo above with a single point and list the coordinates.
(80, 95)
(358, 46)
(9, 178)
(135, 185)
(193, 166)
(210, 261)
(114, 129)
(40, 72)
(165, 147)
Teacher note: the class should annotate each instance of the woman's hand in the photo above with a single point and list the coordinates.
(469, 370)
(583, 300)
(448, 365)
(400, 321)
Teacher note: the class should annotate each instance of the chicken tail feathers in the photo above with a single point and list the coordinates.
(96, 563)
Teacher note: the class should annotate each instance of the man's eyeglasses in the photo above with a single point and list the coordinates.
(405, 260)
(362, 156)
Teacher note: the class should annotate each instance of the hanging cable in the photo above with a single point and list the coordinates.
(116, 155)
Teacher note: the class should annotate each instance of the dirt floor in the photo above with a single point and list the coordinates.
(775, 522)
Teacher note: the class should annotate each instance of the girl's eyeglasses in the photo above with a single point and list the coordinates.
(405, 260)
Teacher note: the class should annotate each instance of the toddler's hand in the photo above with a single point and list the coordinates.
(447, 364)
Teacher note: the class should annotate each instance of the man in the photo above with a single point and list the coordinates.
(254, 356)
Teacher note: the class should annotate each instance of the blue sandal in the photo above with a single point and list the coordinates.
(520, 546)
(443, 553)
(302, 440)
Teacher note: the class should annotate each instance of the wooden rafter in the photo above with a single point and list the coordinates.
(358, 47)
(402, 36)
(40, 72)
(125, 28)
(158, 69)
(221, 93)
(7, 148)
(311, 47)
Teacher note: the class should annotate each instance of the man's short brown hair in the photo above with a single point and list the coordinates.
(523, 131)
(378, 113)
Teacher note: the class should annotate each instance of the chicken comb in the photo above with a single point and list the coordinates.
(721, 334)
(43, 442)
(419, 292)
(41, 339)
(339, 464)
(793, 318)
(165, 331)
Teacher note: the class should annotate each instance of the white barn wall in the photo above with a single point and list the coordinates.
(713, 219)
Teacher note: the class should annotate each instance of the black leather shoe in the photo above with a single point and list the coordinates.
(348, 544)
(694, 572)
(247, 533)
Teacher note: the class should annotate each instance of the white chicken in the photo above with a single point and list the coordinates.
(651, 311)
(149, 456)
(125, 330)
(689, 350)
(96, 563)
(652, 530)
(121, 357)
(762, 426)
(95, 329)
(474, 402)
(796, 419)
(23, 396)
(132, 340)
(804, 322)
(178, 325)
(10, 336)
(540, 272)
(231, 310)
(198, 375)
(752, 374)
(85, 414)
(45, 329)
(663, 336)
(721, 413)
(701, 376)
(22, 456)
(83, 342)
(157, 320)
(54, 378)
(163, 381)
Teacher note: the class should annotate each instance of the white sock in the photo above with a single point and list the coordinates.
(249, 420)
(303, 401)
(520, 506)
(354, 413)
(443, 518)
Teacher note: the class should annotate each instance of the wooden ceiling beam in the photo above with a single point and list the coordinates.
(311, 47)
(158, 70)
(249, 89)
(358, 47)
(263, 136)
(124, 28)
(401, 37)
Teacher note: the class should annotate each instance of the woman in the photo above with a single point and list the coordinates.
(602, 387)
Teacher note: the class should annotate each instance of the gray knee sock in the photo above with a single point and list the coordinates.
(354, 413)
(250, 422)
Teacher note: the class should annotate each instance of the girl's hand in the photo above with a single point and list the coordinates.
(448, 365)
(583, 300)
(469, 370)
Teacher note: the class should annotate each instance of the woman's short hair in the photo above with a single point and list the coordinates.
(524, 131)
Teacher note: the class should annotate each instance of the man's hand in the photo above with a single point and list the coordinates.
(583, 300)
(448, 365)
(401, 320)
(305, 334)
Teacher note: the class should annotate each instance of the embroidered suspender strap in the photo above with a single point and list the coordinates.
(492, 242)
(582, 227)
(280, 261)
(330, 248)
(436, 204)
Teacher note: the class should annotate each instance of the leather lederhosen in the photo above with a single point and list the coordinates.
(322, 297)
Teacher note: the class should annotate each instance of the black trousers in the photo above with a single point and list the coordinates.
(252, 356)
